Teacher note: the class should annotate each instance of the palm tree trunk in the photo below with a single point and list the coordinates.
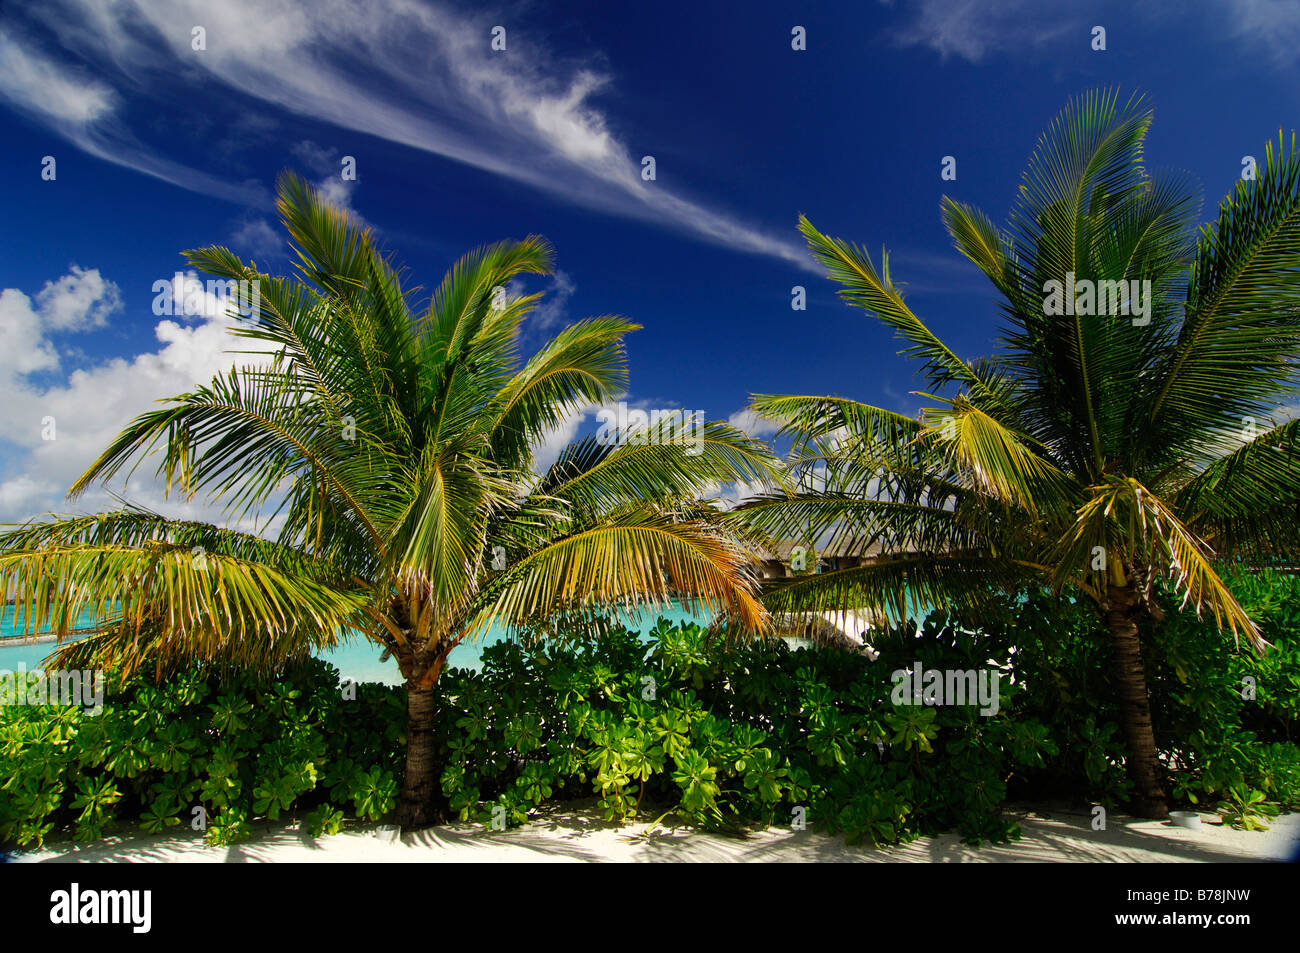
(415, 809)
(1130, 676)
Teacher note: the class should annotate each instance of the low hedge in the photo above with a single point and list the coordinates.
(718, 735)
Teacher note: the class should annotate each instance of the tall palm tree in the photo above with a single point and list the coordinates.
(394, 448)
(1094, 452)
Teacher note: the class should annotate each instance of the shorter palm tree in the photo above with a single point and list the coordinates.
(1096, 451)
(394, 447)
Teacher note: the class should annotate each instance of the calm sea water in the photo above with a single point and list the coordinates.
(358, 659)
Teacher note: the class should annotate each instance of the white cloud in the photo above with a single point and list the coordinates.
(23, 347)
(1273, 25)
(84, 110)
(89, 406)
(552, 311)
(752, 424)
(41, 84)
(431, 82)
(327, 163)
(564, 120)
(257, 237)
(547, 450)
(23, 495)
(79, 300)
(723, 496)
(184, 294)
(757, 427)
(731, 495)
(319, 159)
(972, 29)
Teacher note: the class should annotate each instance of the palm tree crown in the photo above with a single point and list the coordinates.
(1123, 430)
(394, 448)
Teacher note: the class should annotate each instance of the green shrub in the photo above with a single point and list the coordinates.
(728, 737)
(744, 735)
(683, 723)
(202, 752)
(1225, 717)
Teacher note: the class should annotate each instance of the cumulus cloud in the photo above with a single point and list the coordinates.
(24, 348)
(79, 300)
(729, 496)
(611, 415)
(752, 424)
(83, 410)
(547, 450)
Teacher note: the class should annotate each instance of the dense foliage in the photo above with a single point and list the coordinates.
(239, 748)
(717, 735)
(1226, 719)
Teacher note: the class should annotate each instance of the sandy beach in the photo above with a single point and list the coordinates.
(577, 834)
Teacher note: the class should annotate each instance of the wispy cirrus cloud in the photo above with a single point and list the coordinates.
(84, 110)
(257, 237)
(49, 88)
(975, 30)
(418, 74)
(325, 162)
(1273, 25)
(552, 312)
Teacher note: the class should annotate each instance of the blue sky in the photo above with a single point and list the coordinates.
(159, 147)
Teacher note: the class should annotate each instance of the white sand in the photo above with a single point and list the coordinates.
(578, 833)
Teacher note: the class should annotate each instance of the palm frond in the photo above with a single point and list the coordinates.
(1125, 530)
(876, 293)
(161, 597)
(898, 588)
(638, 557)
(1247, 502)
(994, 460)
(676, 456)
(584, 364)
(1238, 350)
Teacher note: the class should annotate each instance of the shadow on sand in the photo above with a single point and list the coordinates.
(577, 833)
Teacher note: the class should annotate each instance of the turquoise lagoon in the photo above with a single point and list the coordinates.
(357, 658)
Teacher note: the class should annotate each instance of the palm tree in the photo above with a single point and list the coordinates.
(1094, 452)
(392, 446)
